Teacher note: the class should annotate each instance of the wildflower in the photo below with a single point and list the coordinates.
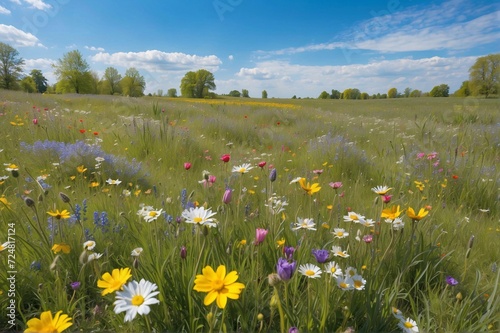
(81, 169)
(367, 238)
(408, 325)
(398, 224)
(337, 251)
(397, 313)
(272, 175)
(321, 255)
(358, 282)
(333, 269)
(451, 281)
(4, 246)
(199, 216)
(187, 166)
(318, 172)
(310, 270)
(335, 185)
(89, 245)
(75, 285)
(391, 213)
(307, 224)
(93, 256)
(280, 242)
(260, 235)
(351, 271)
(94, 184)
(225, 158)
(136, 298)
(183, 252)
(11, 167)
(416, 217)
(47, 323)
(354, 217)
(114, 281)
(345, 282)
(386, 198)
(244, 168)
(218, 285)
(152, 215)
(289, 251)
(310, 189)
(60, 215)
(136, 252)
(226, 198)
(262, 164)
(285, 269)
(368, 223)
(64, 248)
(419, 185)
(113, 181)
(382, 190)
(340, 233)
(293, 329)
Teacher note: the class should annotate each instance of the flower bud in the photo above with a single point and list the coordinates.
(273, 279)
(459, 296)
(272, 175)
(183, 252)
(64, 197)
(29, 202)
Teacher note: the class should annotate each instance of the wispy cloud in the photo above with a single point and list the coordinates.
(158, 61)
(17, 38)
(43, 64)
(38, 4)
(93, 48)
(4, 11)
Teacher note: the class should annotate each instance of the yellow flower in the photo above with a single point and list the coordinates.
(94, 184)
(391, 213)
(417, 217)
(310, 189)
(48, 324)
(114, 281)
(81, 168)
(65, 248)
(242, 243)
(280, 242)
(218, 285)
(4, 202)
(419, 185)
(60, 215)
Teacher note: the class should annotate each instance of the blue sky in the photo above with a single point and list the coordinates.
(287, 48)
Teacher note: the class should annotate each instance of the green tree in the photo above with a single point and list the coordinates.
(264, 94)
(244, 93)
(11, 66)
(365, 96)
(351, 93)
(463, 91)
(416, 93)
(407, 92)
(484, 75)
(392, 93)
(28, 84)
(235, 93)
(197, 84)
(73, 73)
(335, 94)
(172, 92)
(40, 80)
(133, 83)
(443, 90)
(324, 95)
(110, 83)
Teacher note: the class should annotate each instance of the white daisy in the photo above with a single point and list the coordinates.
(382, 190)
(113, 181)
(136, 298)
(333, 269)
(136, 252)
(358, 282)
(397, 313)
(354, 217)
(368, 223)
(398, 223)
(408, 325)
(93, 256)
(310, 270)
(337, 251)
(295, 180)
(199, 216)
(304, 224)
(89, 245)
(340, 233)
(345, 282)
(4, 246)
(244, 168)
(351, 271)
(152, 215)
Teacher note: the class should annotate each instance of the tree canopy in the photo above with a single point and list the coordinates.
(73, 73)
(40, 80)
(484, 75)
(110, 83)
(10, 66)
(133, 83)
(197, 84)
(443, 90)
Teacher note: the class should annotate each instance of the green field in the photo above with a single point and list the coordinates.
(436, 154)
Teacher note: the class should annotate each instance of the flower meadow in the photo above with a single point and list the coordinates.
(160, 215)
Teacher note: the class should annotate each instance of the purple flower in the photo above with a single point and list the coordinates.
(260, 235)
(285, 269)
(293, 329)
(272, 175)
(320, 255)
(226, 198)
(75, 285)
(367, 238)
(183, 252)
(451, 281)
(288, 251)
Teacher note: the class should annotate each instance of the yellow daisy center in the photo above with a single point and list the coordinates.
(218, 285)
(353, 216)
(152, 214)
(358, 284)
(197, 219)
(343, 285)
(341, 254)
(340, 233)
(137, 300)
(309, 272)
(333, 269)
(242, 170)
(408, 324)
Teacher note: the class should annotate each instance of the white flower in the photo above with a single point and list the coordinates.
(354, 217)
(397, 313)
(337, 251)
(358, 282)
(295, 180)
(310, 270)
(89, 245)
(367, 223)
(351, 271)
(307, 224)
(333, 269)
(136, 252)
(381, 189)
(113, 181)
(152, 215)
(93, 256)
(398, 223)
(199, 216)
(408, 325)
(244, 168)
(4, 246)
(340, 233)
(345, 282)
(136, 298)
(99, 159)
(276, 205)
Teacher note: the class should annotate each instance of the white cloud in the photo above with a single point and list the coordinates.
(157, 61)
(4, 11)
(43, 64)
(230, 57)
(38, 4)
(17, 38)
(17, 2)
(284, 79)
(93, 48)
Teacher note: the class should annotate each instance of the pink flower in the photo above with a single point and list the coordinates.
(262, 164)
(260, 235)
(226, 198)
(225, 158)
(318, 172)
(420, 155)
(187, 165)
(367, 238)
(211, 179)
(35, 121)
(432, 155)
(335, 185)
(386, 198)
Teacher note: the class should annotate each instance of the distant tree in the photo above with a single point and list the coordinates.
(484, 75)
(28, 84)
(197, 84)
(463, 91)
(351, 93)
(39, 79)
(324, 95)
(335, 94)
(111, 82)
(244, 93)
(383, 96)
(11, 66)
(392, 93)
(364, 96)
(159, 92)
(73, 73)
(443, 90)
(133, 83)
(407, 92)
(172, 92)
(294, 97)
(264, 94)
(234, 93)
(416, 93)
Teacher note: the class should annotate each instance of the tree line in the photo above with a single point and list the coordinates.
(75, 76)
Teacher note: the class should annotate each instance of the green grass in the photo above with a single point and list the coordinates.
(145, 143)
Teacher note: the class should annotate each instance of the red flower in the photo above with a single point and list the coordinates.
(262, 164)
(82, 131)
(225, 158)
(454, 177)
(187, 165)
(96, 133)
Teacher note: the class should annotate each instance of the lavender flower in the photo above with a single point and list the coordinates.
(451, 281)
(285, 269)
(321, 255)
